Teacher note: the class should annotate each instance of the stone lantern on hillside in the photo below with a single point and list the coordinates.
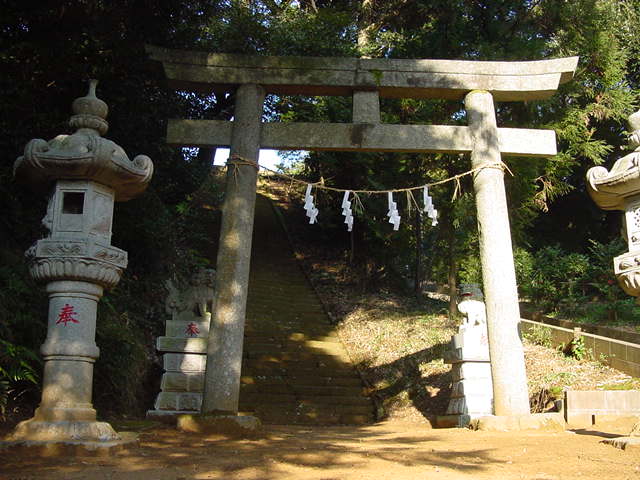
(619, 189)
(84, 174)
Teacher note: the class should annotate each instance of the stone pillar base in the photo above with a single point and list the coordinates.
(243, 426)
(453, 421)
(64, 431)
(548, 422)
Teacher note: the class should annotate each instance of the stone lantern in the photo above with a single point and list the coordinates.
(84, 174)
(619, 189)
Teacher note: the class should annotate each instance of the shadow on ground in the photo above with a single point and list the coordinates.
(284, 452)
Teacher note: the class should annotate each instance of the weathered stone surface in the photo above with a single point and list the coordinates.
(190, 304)
(548, 422)
(452, 421)
(182, 382)
(185, 328)
(76, 261)
(364, 137)
(224, 350)
(79, 448)
(63, 431)
(471, 391)
(366, 107)
(184, 362)
(624, 443)
(230, 425)
(510, 394)
(619, 189)
(178, 401)
(191, 300)
(85, 155)
(186, 345)
(508, 81)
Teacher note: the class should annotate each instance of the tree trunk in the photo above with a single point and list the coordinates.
(417, 284)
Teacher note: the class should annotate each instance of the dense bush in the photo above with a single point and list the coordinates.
(580, 286)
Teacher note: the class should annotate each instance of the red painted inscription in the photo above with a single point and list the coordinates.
(192, 330)
(66, 315)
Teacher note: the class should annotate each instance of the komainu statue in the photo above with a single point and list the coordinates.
(195, 298)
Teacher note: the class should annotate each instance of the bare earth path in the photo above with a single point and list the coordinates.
(384, 451)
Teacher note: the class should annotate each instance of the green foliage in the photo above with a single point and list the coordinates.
(17, 373)
(539, 335)
(555, 276)
(120, 374)
(576, 348)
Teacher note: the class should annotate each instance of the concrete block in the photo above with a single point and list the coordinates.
(583, 407)
(618, 350)
(633, 354)
(601, 348)
(579, 420)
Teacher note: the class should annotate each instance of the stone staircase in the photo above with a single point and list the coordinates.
(295, 369)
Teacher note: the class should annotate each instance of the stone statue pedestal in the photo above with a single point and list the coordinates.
(472, 389)
(184, 346)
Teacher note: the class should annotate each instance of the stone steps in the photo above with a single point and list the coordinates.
(302, 380)
(295, 369)
(279, 369)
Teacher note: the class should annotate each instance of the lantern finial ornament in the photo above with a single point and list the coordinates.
(89, 111)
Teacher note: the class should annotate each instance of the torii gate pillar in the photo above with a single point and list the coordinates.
(222, 382)
(510, 393)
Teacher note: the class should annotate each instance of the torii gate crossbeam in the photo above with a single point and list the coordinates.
(477, 83)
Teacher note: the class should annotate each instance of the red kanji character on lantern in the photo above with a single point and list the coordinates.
(192, 330)
(66, 315)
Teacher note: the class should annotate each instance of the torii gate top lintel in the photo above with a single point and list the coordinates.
(366, 79)
(395, 78)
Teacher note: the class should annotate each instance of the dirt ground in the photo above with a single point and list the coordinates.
(384, 451)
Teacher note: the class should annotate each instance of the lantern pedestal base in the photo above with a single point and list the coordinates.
(67, 438)
(63, 431)
(69, 447)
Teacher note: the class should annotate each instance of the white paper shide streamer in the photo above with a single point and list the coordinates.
(431, 212)
(310, 208)
(394, 218)
(346, 211)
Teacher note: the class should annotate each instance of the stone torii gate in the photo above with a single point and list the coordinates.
(479, 84)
